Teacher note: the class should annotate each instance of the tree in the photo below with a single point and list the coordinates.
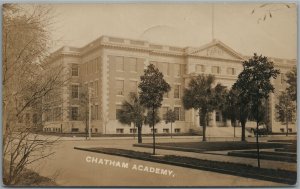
(25, 85)
(292, 83)
(152, 88)
(170, 118)
(286, 109)
(132, 112)
(232, 108)
(149, 118)
(202, 96)
(254, 84)
(84, 108)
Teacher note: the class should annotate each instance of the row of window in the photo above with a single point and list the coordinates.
(179, 112)
(165, 130)
(133, 88)
(74, 113)
(92, 66)
(131, 63)
(52, 129)
(283, 131)
(28, 119)
(215, 70)
(93, 86)
(164, 67)
(54, 114)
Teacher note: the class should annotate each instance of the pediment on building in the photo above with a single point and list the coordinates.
(216, 49)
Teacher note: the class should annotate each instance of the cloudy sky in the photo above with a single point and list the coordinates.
(183, 25)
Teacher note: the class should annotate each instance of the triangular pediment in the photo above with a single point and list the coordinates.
(217, 49)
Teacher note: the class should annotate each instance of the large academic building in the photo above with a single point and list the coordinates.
(111, 68)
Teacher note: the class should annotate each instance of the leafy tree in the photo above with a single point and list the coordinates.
(292, 83)
(25, 45)
(170, 118)
(148, 118)
(286, 109)
(202, 96)
(132, 112)
(232, 108)
(152, 88)
(254, 84)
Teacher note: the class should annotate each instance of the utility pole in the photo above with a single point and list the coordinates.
(90, 116)
(257, 130)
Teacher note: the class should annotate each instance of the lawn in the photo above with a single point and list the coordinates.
(212, 146)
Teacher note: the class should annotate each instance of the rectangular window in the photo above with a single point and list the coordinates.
(75, 70)
(119, 131)
(131, 63)
(166, 70)
(215, 69)
(57, 114)
(164, 112)
(74, 130)
(133, 86)
(98, 64)
(165, 130)
(177, 130)
(179, 114)
(230, 71)
(96, 88)
(96, 112)
(92, 91)
(176, 91)
(27, 118)
(177, 110)
(74, 113)
(92, 112)
(200, 68)
(75, 91)
(120, 87)
(177, 70)
(119, 63)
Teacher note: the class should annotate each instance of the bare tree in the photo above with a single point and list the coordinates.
(28, 78)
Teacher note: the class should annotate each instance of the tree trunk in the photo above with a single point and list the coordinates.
(204, 125)
(153, 131)
(134, 127)
(287, 128)
(171, 129)
(233, 123)
(243, 124)
(139, 134)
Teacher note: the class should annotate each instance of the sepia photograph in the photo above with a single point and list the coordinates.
(151, 94)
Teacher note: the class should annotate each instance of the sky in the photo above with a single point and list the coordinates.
(182, 25)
